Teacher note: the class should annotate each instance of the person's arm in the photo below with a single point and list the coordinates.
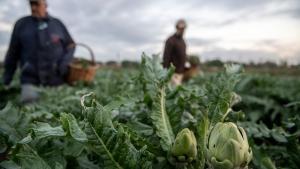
(12, 57)
(181, 58)
(69, 49)
(167, 54)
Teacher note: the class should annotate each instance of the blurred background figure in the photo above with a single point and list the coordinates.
(175, 52)
(43, 48)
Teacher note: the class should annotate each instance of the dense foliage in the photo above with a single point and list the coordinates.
(133, 118)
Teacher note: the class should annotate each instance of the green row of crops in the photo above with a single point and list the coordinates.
(133, 118)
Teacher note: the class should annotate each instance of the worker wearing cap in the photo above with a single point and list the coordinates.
(175, 52)
(42, 47)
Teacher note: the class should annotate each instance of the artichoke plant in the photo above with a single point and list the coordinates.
(184, 148)
(228, 147)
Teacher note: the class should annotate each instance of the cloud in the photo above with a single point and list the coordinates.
(123, 28)
(293, 12)
(202, 41)
(240, 55)
(229, 12)
(10, 10)
(4, 38)
(232, 4)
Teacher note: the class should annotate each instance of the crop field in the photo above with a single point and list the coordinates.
(135, 119)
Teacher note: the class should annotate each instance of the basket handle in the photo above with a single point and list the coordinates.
(90, 51)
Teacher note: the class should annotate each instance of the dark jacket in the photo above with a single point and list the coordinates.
(175, 53)
(42, 48)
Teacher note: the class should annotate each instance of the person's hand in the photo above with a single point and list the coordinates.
(187, 64)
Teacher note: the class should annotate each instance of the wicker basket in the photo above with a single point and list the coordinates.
(82, 72)
(190, 73)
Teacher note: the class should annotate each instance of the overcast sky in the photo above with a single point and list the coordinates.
(238, 30)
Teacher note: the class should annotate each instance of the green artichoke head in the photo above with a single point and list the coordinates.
(228, 147)
(185, 146)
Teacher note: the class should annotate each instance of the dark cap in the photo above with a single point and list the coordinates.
(181, 24)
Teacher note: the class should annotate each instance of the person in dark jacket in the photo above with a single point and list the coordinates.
(42, 46)
(175, 52)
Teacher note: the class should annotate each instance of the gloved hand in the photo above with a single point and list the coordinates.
(187, 65)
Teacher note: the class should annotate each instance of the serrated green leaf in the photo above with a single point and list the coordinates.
(32, 161)
(14, 123)
(279, 137)
(71, 126)
(267, 163)
(112, 143)
(9, 165)
(161, 121)
(42, 130)
(26, 140)
(157, 77)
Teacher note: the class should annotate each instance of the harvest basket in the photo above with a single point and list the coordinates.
(82, 69)
(190, 73)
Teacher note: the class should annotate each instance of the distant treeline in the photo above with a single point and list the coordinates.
(215, 65)
(211, 63)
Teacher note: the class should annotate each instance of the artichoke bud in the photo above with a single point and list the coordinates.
(185, 146)
(228, 147)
